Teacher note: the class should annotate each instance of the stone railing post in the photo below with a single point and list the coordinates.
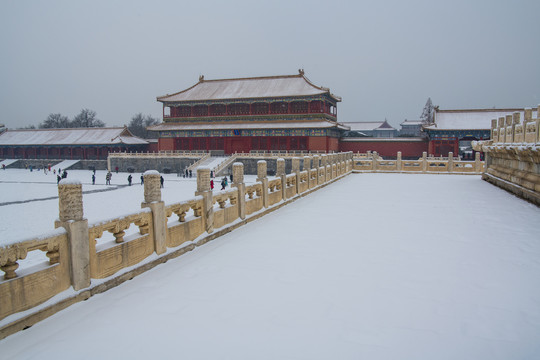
(328, 167)
(152, 200)
(323, 166)
(374, 164)
(238, 182)
(307, 167)
(204, 189)
(502, 130)
(424, 162)
(477, 163)
(296, 170)
(493, 129)
(280, 172)
(316, 161)
(527, 116)
(399, 161)
(450, 162)
(263, 178)
(509, 129)
(71, 218)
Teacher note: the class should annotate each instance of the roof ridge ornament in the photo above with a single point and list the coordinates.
(301, 72)
(201, 78)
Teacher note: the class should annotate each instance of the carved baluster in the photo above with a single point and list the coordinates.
(53, 254)
(250, 194)
(258, 191)
(9, 269)
(197, 210)
(119, 236)
(181, 215)
(144, 226)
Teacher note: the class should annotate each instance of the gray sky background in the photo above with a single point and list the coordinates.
(384, 58)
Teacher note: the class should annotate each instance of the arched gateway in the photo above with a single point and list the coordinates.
(251, 114)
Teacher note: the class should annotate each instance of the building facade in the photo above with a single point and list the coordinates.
(251, 114)
(73, 143)
(454, 130)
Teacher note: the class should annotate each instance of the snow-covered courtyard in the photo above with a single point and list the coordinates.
(374, 266)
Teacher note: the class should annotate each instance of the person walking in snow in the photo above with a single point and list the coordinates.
(129, 179)
(58, 178)
(161, 180)
(223, 184)
(93, 179)
(142, 179)
(211, 184)
(108, 178)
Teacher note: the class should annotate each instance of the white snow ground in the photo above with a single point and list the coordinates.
(375, 266)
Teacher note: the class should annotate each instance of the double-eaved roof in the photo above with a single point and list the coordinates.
(249, 88)
(473, 119)
(71, 136)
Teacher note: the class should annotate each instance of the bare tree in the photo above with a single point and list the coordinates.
(427, 113)
(87, 118)
(55, 121)
(139, 123)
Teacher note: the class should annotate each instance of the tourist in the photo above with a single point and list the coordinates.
(190, 173)
(161, 180)
(108, 178)
(58, 178)
(129, 179)
(211, 184)
(93, 179)
(142, 179)
(223, 183)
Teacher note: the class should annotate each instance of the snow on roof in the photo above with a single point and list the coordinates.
(247, 126)
(368, 125)
(243, 88)
(75, 136)
(411, 122)
(474, 119)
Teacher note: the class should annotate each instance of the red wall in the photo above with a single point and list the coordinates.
(166, 144)
(387, 148)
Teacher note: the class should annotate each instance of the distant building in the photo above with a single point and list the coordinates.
(453, 130)
(251, 114)
(377, 129)
(411, 128)
(73, 143)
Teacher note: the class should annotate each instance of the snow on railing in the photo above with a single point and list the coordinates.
(79, 252)
(426, 164)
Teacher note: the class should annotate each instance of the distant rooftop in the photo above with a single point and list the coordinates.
(71, 136)
(246, 88)
(368, 125)
(471, 119)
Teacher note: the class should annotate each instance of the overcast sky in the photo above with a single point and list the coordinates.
(384, 58)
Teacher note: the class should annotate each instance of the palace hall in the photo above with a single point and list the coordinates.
(251, 114)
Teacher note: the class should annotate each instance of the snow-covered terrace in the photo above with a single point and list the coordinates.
(375, 266)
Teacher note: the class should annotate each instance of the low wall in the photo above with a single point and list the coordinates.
(372, 162)
(513, 154)
(165, 161)
(410, 148)
(121, 248)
